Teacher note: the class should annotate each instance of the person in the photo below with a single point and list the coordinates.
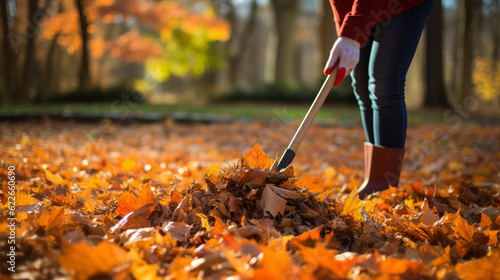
(376, 44)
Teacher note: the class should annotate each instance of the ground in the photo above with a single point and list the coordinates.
(149, 201)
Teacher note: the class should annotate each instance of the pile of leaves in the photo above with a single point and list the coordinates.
(242, 221)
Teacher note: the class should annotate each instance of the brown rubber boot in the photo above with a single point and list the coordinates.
(382, 168)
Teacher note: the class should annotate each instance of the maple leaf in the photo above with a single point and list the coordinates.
(86, 261)
(25, 198)
(353, 206)
(257, 158)
(128, 202)
(52, 218)
(465, 236)
(486, 221)
(428, 218)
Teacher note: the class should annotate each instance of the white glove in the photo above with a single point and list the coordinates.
(345, 54)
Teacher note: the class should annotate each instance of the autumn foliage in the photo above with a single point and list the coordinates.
(145, 202)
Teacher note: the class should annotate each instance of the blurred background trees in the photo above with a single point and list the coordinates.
(198, 50)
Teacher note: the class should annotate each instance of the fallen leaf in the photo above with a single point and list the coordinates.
(428, 218)
(353, 206)
(86, 261)
(257, 158)
(271, 202)
(178, 230)
(56, 179)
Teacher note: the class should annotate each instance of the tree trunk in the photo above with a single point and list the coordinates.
(435, 95)
(8, 63)
(327, 33)
(240, 41)
(285, 12)
(27, 76)
(84, 75)
(464, 57)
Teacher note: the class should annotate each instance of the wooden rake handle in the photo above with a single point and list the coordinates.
(289, 154)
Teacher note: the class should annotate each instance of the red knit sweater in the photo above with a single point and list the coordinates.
(355, 18)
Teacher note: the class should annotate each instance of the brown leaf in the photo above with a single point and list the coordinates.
(428, 218)
(271, 202)
(178, 230)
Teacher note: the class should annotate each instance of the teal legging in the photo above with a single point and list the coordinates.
(379, 78)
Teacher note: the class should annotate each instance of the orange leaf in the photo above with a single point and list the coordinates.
(257, 158)
(24, 198)
(464, 234)
(56, 179)
(86, 261)
(219, 226)
(397, 266)
(310, 235)
(313, 184)
(128, 165)
(146, 197)
(486, 221)
(52, 218)
(487, 268)
(127, 202)
(275, 264)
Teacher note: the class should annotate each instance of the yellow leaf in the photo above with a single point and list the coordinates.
(204, 221)
(353, 206)
(24, 198)
(145, 271)
(456, 166)
(257, 158)
(128, 165)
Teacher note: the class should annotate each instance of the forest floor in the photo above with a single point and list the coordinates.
(180, 201)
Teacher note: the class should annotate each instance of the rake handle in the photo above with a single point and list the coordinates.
(289, 154)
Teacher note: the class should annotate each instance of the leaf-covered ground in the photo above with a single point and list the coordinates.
(173, 201)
